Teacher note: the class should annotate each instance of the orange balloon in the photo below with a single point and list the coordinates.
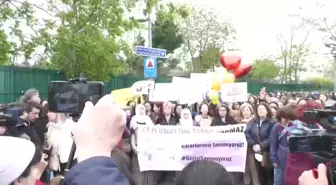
(229, 78)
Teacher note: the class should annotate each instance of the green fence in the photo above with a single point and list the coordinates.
(15, 80)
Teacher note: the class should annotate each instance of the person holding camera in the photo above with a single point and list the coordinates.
(299, 162)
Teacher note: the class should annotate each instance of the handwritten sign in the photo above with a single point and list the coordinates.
(235, 92)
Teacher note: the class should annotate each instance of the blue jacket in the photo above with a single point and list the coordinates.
(259, 134)
(95, 171)
(279, 146)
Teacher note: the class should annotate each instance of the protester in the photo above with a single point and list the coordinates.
(186, 118)
(203, 119)
(297, 163)
(223, 116)
(167, 118)
(258, 134)
(140, 118)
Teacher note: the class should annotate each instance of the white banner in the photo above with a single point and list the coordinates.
(171, 148)
(235, 92)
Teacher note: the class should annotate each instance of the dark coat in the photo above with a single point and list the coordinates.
(256, 134)
(96, 170)
(217, 121)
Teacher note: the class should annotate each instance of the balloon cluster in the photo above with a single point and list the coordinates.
(232, 69)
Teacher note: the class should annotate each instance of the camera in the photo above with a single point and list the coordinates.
(321, 142)
(71, 96)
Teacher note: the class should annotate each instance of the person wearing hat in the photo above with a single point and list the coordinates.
(20, 162)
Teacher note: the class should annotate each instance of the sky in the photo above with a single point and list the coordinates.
(259, 22)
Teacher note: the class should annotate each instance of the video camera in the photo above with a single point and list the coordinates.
(10, 113)
(321, 142)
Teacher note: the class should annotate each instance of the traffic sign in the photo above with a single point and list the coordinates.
(150, 52)
(150, 67)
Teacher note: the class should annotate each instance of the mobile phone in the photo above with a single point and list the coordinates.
(68, 97)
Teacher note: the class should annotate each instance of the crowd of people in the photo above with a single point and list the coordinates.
(270, 117)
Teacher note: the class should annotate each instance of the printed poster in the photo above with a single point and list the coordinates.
(171, 148)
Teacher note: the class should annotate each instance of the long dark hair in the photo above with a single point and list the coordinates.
(268, 109)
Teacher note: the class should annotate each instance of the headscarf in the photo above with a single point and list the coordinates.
(186, 122)
(15, 158)
(140, 117)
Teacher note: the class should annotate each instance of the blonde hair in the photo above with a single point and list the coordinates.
(167, 104)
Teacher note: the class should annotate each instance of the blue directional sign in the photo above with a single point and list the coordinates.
(150, 67)
(151, 52)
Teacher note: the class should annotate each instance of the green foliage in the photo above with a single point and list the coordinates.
(133, 63)
(265, 69)
(320, 82)
(208, 59)
(5, 48)
(166, 33)
(87, 40)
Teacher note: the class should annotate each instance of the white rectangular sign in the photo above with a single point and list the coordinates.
(171, 148)
(163, 92)
(235, 92)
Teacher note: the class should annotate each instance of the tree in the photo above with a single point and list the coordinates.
(166, 33)
(5, 48)
(21, 13)
(264, 69)
(294, 51)
(202, 30)
(84, 37)
(320, 82)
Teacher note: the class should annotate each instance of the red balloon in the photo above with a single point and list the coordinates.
(230, 61)
(242, 70)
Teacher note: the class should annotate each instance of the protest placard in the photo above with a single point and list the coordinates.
(171, 148)
(235, 92)
(163, 92)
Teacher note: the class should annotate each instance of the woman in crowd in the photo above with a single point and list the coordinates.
(223, 116)
(253, 100)
(251, 173)
(177, 112)
(323, 97)
(186, 118)
(157, 112)
(274, 111)
(167, 118)
(258, 133)
(246, 112)
(140, 118)
(297, 163)
(203, 119)
(149, 108)
(279, 143)
(195, 109)
(235, 106)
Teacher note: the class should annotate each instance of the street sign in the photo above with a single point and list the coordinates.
(150, 67)
(150, 52)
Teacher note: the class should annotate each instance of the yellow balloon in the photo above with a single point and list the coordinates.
(229, 78)
(217, 81)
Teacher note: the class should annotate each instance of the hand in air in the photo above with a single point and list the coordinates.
(99, 129)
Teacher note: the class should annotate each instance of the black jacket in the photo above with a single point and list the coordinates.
(256, 134)
(217, 121)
